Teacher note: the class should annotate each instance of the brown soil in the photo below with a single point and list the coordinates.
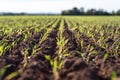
(75, 67)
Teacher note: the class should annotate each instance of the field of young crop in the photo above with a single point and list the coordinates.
(59, 48)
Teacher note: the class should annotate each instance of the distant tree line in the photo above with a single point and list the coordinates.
(19, 14)
(81, 11)
(9, 13)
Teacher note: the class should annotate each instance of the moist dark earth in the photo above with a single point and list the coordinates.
(75, 67)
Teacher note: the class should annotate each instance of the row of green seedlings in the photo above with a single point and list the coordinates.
(75, 29)
(42, 38)
(36, 49)
(106, 36)
(102, 32)
(99, 34)
(52, 25)
(16, 73)
(92, 30)
(58, 61)
(6, 44)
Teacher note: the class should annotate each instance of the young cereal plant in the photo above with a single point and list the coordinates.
(55, 66)
(13, 74)
(106, 55)
(114, 76)
(61, 43)
(3, 70)
(25, 53)
(1, 50)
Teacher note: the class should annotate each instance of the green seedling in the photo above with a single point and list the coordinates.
(55, 66)
(1, 50)
(13, 74)
(3, 70)
(106, 55)
(114, 76)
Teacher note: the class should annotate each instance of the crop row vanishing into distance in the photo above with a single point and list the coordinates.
(59, 48)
